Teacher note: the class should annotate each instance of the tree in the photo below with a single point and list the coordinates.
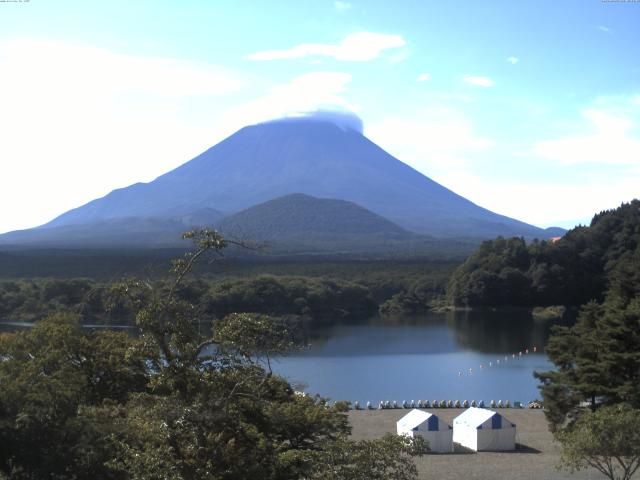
(255, 336)
(572, 271)
(179, 403)
(579, 375)
(388, 457)
(607, 440)
(51, 377)
(597, 360)
(213, 411)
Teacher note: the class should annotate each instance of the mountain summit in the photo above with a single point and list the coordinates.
(325, 156)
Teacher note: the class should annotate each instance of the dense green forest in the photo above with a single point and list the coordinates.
(303, 219)
(598, 358)
(502, 272)
(105, 303)
(113, 263)
(571, 271)
(313, 290)
(592, 396)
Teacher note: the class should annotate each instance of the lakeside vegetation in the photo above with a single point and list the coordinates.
(349, 289)
(592, 397)
(174, 403)
(571, 271)
(543, 276)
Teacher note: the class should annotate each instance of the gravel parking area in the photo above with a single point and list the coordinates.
(535, 459)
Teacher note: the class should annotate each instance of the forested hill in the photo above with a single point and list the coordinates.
(572, 271)
(299, 222)
(306, 217)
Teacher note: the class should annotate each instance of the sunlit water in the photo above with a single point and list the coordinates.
(426, 358)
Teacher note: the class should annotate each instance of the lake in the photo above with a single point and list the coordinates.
(424, 358)
(418, 358)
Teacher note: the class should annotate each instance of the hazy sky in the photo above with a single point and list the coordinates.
(528, 108)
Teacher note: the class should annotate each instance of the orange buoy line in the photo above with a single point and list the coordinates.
(534, 349)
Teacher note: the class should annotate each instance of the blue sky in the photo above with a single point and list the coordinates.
(528, 108)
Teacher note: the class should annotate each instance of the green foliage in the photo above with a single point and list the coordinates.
(92, 302)
(98, 263)
(597, 360)
(291, 295)
(381, 459)
(420, 296)
(607, 440)
(302, 219)
(177, 403)
(112, 304)
(256, 335)
(572, 271)
(417, 285)
(51, 377)
(493, 275)
(598, 363)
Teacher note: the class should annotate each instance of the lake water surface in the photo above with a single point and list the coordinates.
(418, 358)
(425, 358)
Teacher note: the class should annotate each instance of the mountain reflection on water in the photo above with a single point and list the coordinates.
(500, 330)
(488, 331)
(426, 357)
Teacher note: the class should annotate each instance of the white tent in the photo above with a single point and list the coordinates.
(484, 430)
(427, 425)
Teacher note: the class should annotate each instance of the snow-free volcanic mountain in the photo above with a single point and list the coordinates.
(324, 156)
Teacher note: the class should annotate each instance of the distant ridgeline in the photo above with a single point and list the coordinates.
(579, 267)
(304, 185)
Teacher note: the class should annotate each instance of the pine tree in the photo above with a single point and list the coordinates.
(598, 359)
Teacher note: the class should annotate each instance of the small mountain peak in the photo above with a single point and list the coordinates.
(343, 119)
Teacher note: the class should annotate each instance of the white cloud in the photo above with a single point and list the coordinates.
(78, 121)
(445, 145)
(513, 60)
(341, 6)
(305, 93)
(424, 77)
(436, 140)
(355, 47)
(606, 135)
(604, 29)
(478, 81)
(542, 204)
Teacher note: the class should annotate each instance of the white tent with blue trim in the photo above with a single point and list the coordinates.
(438, 433)
(480, 429)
